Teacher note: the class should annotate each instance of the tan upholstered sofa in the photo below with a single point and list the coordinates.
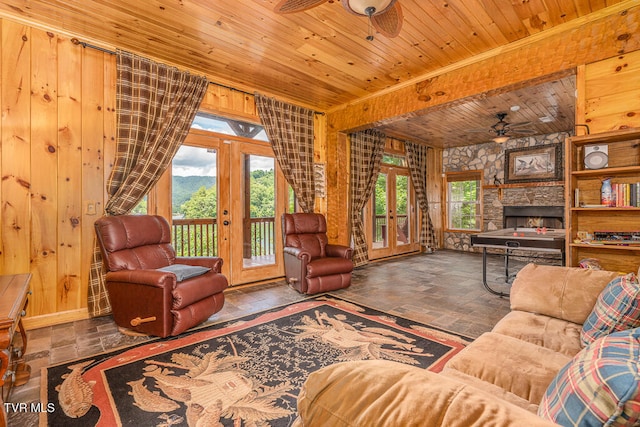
(498, 380)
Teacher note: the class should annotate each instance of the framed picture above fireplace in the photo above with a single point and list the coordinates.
(533, 164)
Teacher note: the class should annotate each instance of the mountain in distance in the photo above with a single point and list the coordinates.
(184, 186)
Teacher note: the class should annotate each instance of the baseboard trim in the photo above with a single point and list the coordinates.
(51, 319)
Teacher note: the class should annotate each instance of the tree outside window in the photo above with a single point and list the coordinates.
(463, 201)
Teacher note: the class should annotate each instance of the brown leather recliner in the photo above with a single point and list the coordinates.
(311, 264)
(150, 289)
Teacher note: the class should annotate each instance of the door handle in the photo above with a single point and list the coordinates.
(225, 222)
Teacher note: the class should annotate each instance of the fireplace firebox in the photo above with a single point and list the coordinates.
(551, 217)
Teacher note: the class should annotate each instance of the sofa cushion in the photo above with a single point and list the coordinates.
(567, 293)
(549, 332)
(617, 309)
(492, 389)
(385, 393)
(600, 386)
(184, 272)
(519, 367)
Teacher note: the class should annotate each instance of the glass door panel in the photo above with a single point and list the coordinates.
(258, 214)
(258, 197)
(390, 214)
(402, 217)
(380, 219)
(194, 201)
(227, 196)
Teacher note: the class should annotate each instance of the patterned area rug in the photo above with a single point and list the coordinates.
(243, 372)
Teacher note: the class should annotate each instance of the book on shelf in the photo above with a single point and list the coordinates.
(625, 195)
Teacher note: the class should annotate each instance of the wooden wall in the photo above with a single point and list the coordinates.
(611, 93)
(58, 121)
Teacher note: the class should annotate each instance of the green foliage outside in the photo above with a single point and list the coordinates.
(402, 186)
(463, 199)
(184, 188)
(141, 207)
(263, 194)
(202, 204)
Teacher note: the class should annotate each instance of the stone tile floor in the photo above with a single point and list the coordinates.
(443, 289)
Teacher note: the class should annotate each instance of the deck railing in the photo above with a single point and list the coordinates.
(199, 237)
(380, 231)
(195, 237)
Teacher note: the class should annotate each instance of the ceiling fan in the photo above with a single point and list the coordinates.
(385, 15)
(503, 130)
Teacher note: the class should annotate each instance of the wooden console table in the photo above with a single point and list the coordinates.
(14, 291)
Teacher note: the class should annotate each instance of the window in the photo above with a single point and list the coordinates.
(229, 126)
(463, 200)
(394, 159)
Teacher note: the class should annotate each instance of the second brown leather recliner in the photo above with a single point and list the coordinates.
(311, 264)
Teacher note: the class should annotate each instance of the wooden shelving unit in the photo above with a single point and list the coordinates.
(583, 195)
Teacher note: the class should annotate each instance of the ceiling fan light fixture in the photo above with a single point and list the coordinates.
(501, 139)
(367, 7)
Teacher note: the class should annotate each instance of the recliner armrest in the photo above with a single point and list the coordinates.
(214, 263)
(155, 278)
(297, 252)
(339, 251)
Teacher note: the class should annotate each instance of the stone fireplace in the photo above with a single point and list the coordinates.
(497, 196)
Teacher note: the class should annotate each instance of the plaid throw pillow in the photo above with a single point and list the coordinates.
(617, 309)
(600, 386)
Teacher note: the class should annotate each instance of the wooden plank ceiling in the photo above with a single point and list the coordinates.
(320, 58)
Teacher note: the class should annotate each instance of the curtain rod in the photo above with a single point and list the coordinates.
(111, 52)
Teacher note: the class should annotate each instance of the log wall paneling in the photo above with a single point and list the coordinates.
(58, 115)
(227, 102)
(44, 161)
(613, 93)
(320, 156)
(435, 194)
(109, 124)
(93, 112)
(16, 148)
(69, 176)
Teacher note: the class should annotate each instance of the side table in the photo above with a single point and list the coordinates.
(14, 291)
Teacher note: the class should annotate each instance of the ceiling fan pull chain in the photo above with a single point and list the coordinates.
(369, 11)
(370, 32)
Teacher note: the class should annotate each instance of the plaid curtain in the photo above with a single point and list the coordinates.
(156, 105)
(290, 130)
(417, 159)
(367, 148)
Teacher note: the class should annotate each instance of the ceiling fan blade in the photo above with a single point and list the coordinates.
(479, 131)
(515, 125)
(522, 131)
(291, 6)
(389, 22)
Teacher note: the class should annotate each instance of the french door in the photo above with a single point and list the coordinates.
(391, 215)
(232, 206)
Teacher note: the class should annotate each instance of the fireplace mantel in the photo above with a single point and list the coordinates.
(501, 187)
